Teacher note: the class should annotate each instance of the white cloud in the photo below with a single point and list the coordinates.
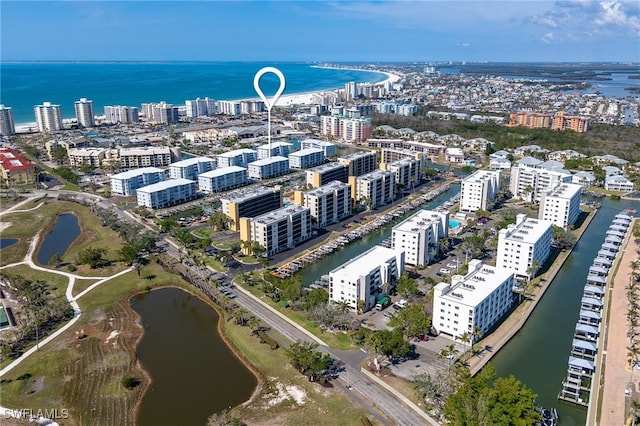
(548, 38)
(580, 19)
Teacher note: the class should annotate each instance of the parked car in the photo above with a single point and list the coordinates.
(444, 271)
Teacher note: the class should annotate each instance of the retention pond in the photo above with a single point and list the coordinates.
(194, 374)
(64, 232)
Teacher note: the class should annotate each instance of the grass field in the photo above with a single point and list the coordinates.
(57, 283)
(335, 340)
(277, 404)
(25, 225)
(84, 375)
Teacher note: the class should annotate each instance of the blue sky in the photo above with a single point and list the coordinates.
(374, 31)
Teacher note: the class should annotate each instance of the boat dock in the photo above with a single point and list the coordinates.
(577, 386)
(349, 235)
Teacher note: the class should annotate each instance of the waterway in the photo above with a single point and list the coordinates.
(314, 271)
(194, 374)
(6, 242)
(64, 232)
(537, 355)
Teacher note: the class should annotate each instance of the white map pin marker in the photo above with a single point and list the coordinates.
(269, 103)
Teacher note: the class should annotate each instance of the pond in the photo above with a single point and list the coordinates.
(194, 374)
(58, 240)
(6, 242)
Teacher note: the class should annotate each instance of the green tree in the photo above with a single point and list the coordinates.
(59, 154)
(92, 256)
(390, 343)
(407, 286)
(219, 221)
(128, 253)
(304, 358)
(411, 320)
(484, 400)
(317, 296)
(55, 260)
(562, 238)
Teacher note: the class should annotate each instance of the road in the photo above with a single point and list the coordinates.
(364, 390)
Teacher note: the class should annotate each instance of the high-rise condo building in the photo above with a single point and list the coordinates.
(277, 230)
(250, 202)
(84, 113)
(200, 107)
(374, 189)
(329, 203)
(479, 190)
(121, 114)
(360, 163)
(473, 302)
(48, 117)
(7, 126)
(561, 205)
(360, 281)
(162, 112)
(419, 235)
(525, 246)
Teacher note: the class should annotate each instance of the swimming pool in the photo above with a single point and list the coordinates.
(453, 223)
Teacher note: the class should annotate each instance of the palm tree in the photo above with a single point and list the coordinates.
(465, 337)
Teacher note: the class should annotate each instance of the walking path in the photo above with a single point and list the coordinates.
(610, 398)
(6, 412)
(514, 322)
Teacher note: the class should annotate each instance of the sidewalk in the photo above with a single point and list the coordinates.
(515, 321)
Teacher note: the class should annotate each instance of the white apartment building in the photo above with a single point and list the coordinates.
(126, 183)
(479, 299)
(48, 117)
(524, 246)
(529, 182)
(406, 170)
(200, 107)
(561, 205)
(328, 147)
(374, 189)
(391, 155)
(121, 114)
(239, 157)
(166, 193)
(618, 183)
(90, 156)
(278, 230)
(363, 278)
(277, 149)
(418, 236)
(349, 129)
(360, 163)
(229, 107)
(479, 190)
(305, 158)
(191, 167)
(133, 158)
(268, 168)
(329, 203)
(7, 125)
(84, 113)
(222, 179)
(161, 112)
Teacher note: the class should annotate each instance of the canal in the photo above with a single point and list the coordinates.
(537, 355)
(194, 374)
(314, 271)
(64, 232)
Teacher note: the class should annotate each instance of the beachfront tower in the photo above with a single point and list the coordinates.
(84, 113)
(48, 117)
(7, 127)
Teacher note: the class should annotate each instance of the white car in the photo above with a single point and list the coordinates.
(444, 271)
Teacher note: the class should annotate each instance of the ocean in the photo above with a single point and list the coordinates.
(25, 84)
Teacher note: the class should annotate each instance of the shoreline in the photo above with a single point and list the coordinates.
(296, 98)
(236, 353)
(513, 323)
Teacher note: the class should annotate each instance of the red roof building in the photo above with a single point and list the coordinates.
(15, 168)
